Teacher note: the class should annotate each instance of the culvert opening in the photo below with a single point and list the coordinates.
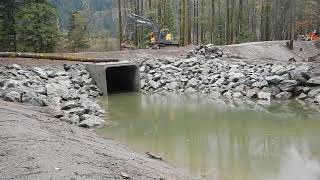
(121, 79)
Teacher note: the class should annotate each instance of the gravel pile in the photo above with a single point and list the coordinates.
(232, 78)
(69, 93)
(209, 51)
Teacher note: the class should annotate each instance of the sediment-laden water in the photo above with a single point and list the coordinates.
(217, 139)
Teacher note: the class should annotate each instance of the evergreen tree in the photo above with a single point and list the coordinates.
(77, 34)
(8, 9)
(36, 27)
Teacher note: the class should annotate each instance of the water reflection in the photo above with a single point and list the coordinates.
(217, 139)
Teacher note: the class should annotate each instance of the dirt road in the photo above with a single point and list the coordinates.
(35, 146)
(273, 50)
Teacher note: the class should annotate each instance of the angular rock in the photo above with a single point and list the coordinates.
(71, 119)
(151, 63)
(314, 81)
(192, 82)
(252, 94)
(40, 72)
(288, 85)
(237, 95)
(260, 84)
(89, 121)
(264, 96)
(314, 92)
(275, 79)
(12, 96)
(13, 84)
(227, 95)
(32, 98)
(284, 95)
(172, 86)
(70, 105)
(302, 96)
(219, 82)
(56, 90)
(235, 76)
(278, 70)
(154, 84)
(317, 99)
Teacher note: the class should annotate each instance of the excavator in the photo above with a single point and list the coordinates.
(312, 36)
(158, 38)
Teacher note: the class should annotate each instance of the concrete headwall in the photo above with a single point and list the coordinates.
(124, 75)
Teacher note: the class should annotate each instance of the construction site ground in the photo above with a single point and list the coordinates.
(36, 146)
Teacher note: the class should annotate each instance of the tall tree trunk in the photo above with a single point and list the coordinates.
(238, 32)
(268, 20)
(202, 35)
(194, 21)
(189, 21)
(120, 23)
(197, 22)
(212, 20)
(232, 22)
(228, 23)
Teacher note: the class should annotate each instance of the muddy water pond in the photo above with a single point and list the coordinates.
(237, 140)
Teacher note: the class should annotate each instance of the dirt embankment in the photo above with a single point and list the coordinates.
(36, 146)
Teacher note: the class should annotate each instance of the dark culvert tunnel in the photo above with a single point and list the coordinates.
(122, 79)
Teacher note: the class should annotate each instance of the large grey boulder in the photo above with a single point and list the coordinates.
(234, 76)
(70, 105)
(274, 80)
(172, 85)
(12, 96)
(70, 118)
(314, 92)
(32, 98)
(260, 84)
(264, 96)
(89, 121)
(314, 81)
(40, 72)
(317, 99)
(151, 63)
(13, 84)
(288, 85)
(302, 96)
(56, 90)
(192, 82)
(278, 70)
(284, 95)
(154, 84)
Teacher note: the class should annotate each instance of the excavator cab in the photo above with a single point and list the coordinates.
(166, 35)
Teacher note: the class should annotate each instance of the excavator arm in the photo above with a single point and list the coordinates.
(133, 20)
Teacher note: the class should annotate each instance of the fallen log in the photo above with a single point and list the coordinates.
(152, 156)
(55, 57)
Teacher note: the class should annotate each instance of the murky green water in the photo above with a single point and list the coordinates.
(216, 140)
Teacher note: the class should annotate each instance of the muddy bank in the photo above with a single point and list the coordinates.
(69, 91)
(35, 146)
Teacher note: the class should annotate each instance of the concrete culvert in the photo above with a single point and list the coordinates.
(114, 78)
(121, 79)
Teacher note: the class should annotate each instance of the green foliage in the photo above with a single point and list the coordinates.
(169, 18)
(36, 27)
(8, 9)
(77, 31)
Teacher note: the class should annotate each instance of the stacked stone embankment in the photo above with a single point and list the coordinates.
(69, 93)
(230, 78)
